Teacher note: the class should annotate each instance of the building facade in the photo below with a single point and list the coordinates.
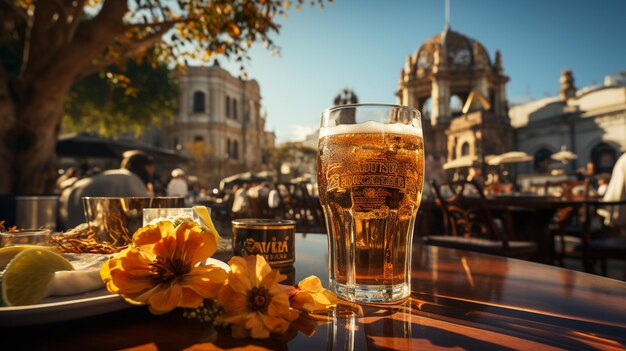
(220, 125)
(462, 96)
(461, 93)
(590, 122)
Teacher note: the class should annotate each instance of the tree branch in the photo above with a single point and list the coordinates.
(21, 12)
(49, 33)
(169, 23)
(42, 22)
(73, 25)
(61, 8)
(92, 37)
(130, 51)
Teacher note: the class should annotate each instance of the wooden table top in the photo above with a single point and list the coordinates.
(460, 301)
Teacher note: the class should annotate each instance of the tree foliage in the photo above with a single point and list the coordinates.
(48, 45)
(301, 159)
(121, 99)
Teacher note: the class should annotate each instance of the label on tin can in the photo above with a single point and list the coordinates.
(274, 243)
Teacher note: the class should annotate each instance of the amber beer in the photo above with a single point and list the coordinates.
(370, 178)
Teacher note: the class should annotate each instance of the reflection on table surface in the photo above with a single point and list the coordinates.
(461, 300)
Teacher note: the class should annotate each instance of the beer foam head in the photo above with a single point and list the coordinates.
(371, 127)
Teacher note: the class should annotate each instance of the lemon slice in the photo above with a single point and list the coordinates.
(7, 253)
(27, 276)
(205, 218)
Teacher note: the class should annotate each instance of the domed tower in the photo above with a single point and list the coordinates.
(461, 94)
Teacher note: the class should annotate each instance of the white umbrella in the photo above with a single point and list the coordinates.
(463, 161)
(510, 157)
(564, 155)
(266, 174)
(489, 158)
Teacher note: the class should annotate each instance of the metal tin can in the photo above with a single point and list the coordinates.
(273, 239)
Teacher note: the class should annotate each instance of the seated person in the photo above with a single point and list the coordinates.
(603, 182)
(615, 216)
(131, 179)
(177, 186)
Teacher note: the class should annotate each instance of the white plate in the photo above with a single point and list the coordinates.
(62, 308)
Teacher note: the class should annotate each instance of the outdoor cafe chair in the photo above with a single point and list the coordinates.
(569, 188)
(589, 240)
(299, 205)
(470, 224)
(567, 224)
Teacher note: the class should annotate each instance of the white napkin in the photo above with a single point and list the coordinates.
(85, 276)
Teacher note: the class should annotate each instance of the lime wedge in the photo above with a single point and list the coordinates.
(7, 253)
(27, 276)
(207, 222)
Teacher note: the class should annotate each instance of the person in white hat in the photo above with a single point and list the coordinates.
(178, 185)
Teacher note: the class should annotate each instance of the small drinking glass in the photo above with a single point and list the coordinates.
(176, 215)
(25, 237)
(179, 215)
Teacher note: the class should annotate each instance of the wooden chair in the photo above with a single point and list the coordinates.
(591, 242)
(299, 205)
(470, 224)
(567, 224)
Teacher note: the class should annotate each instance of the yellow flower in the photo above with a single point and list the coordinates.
(161, 269)
(311, 296)
(254, 303)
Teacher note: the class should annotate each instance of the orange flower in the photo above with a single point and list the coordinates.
(161, 269)
(254, 303)
(311, 296)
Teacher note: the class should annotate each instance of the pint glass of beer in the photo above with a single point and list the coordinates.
(370, 176)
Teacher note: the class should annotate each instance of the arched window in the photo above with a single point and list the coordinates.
(465, 149)
(603, 157)
(456, 105)
(235, 150)
(425, 107)
(542, 160)
(235, 116)
(199, 100)
(228, 151)
(227, 106)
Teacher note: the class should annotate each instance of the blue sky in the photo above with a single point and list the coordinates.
(363, 44)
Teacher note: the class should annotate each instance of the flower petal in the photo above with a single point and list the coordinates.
(206, 281)
(151, 234)
(239, 331)
(165, 300)
(258, 268)
(279, 307)
(238, 277)
(275, 325)
(311, 283)
(128, 284)
(196, 244)
(234, 303)
(272, 278)
(257, 327)
(144, 295)
(190, 299)
(312, 296)
(303, 300)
